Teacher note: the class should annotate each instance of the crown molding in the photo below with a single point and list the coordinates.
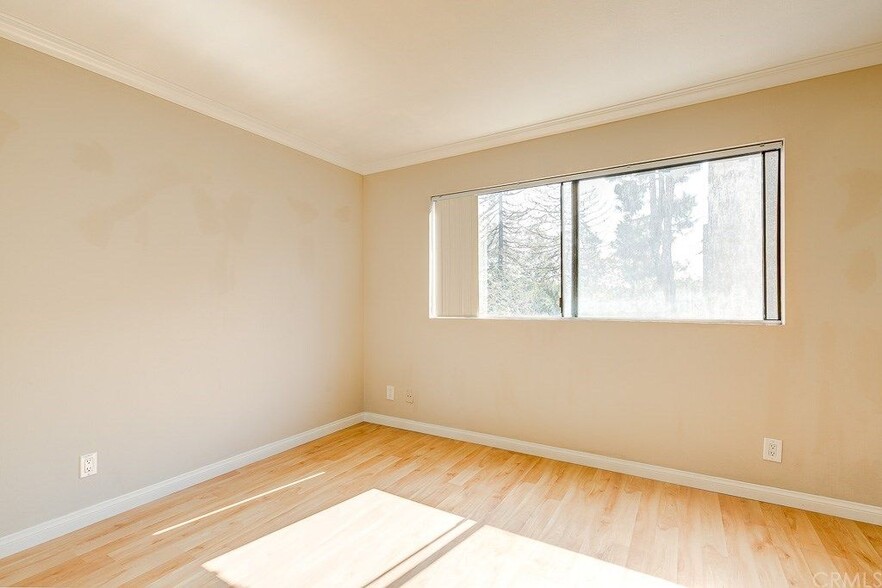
(26, 34)
(796, 71)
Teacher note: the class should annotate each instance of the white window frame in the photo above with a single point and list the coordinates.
(773, 177)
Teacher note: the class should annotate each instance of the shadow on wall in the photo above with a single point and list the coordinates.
(93, 157)
(98, 226)
(863, 205)
(864, 199)
(226, 218)
(8, 125)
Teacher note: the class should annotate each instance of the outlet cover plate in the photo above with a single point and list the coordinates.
(772, 449)
(88, 464)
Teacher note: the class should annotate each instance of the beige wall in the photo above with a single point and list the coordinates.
(173, 290)
(688, 396)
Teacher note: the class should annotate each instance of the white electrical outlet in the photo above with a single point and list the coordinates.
(390, 392)
(408, 397)
(772, 449)
(88, 464)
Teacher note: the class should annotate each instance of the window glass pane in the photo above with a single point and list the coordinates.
(519, 252)
(683, 242)
(772, 171)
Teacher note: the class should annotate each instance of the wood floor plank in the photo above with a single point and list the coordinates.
(683, 535)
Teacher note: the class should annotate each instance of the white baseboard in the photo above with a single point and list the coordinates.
(62, 525)
(812, 502)
(37, 534)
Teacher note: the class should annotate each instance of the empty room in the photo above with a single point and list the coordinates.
(441, 293)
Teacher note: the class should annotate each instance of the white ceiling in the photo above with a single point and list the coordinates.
(377, 84)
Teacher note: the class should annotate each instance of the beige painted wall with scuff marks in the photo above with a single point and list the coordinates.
(173, 290)
(689, 396)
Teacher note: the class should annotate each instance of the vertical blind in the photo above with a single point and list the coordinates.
(456, 257)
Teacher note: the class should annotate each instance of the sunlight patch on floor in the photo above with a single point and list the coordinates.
(378, 539)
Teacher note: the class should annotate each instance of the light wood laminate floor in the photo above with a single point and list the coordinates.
(686, 536)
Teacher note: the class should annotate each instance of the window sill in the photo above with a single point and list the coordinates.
(764, 323)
